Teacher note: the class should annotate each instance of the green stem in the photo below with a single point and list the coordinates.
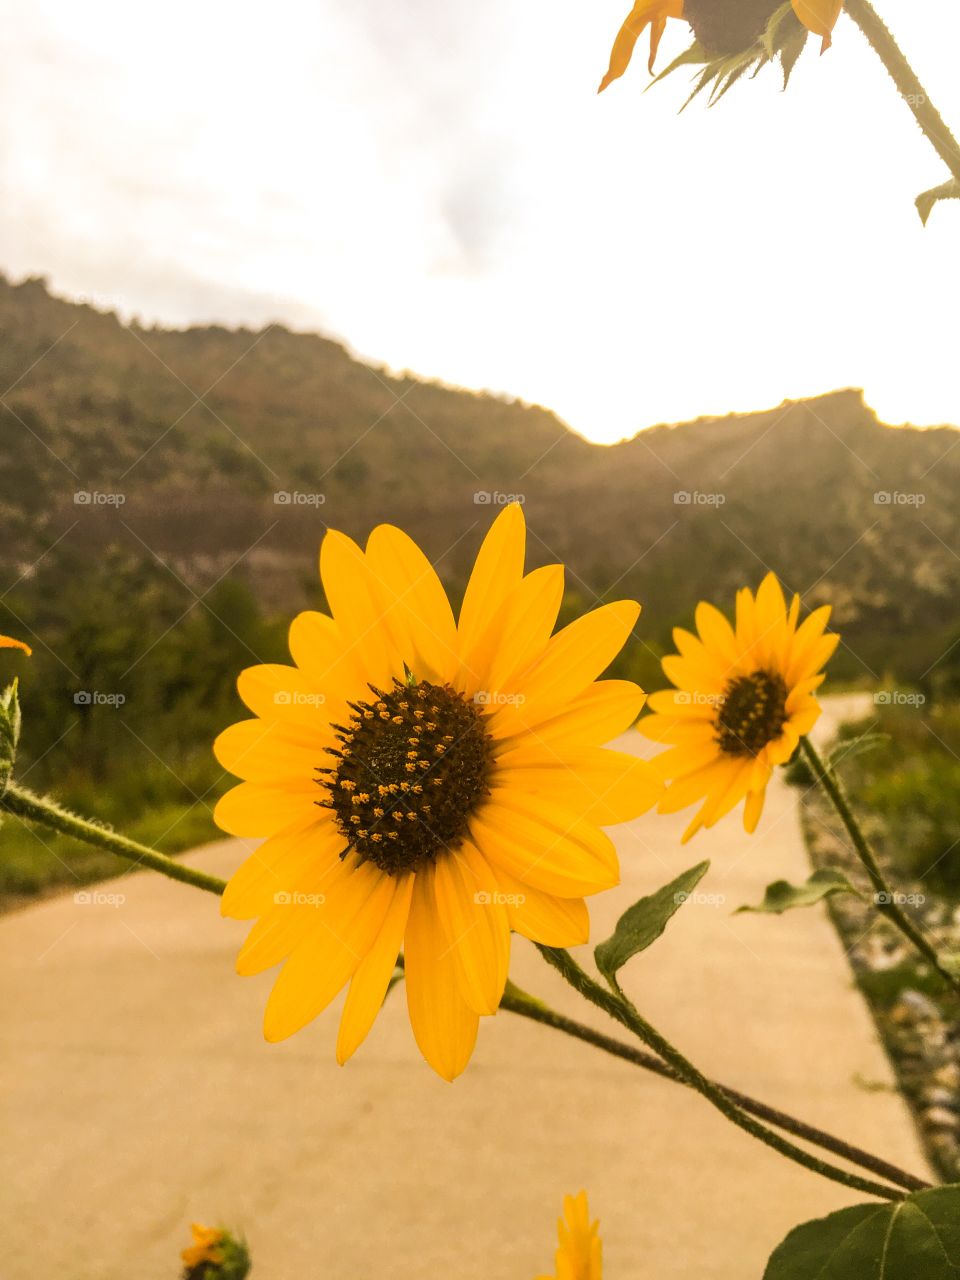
(619, 1007)
(885, 899)
(908, 84)
(527, 1006)
(34, 808)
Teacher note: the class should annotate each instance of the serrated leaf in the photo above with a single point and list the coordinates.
(10, 722)
(783, 896)
(644, 922)
(913, 1239)
(790, 51)
(927, 199)
(695, 55)
(771, 39)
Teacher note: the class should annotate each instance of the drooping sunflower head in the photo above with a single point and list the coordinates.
(580, 1250)
(754, 30)
(427, 783)
(743, 698)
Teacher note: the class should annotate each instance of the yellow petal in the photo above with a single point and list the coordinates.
(717, 634)
(443, 1023)
(345, 928)
(279, 865)
(819, 16)
(273, 691)
(752, 811)
(356, 610)
(527, 624)
(369, 984)
(8, 642)
(415, 605)
(475, 923)
(605, 787)
(269, 752)
(496, 573)
(543, 917)
(546, 846)
(253, 810)
(643, 14)
(604, 710)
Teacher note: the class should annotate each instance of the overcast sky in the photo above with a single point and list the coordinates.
(438, 184)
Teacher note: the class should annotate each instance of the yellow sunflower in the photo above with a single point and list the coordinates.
(742, 700)
(205, 1247)
(426, 783)
(7, 642)
(818, 16)
(580, 1252)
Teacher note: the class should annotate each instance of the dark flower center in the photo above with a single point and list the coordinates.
(729, 26)
(412, 765)
(752, 713)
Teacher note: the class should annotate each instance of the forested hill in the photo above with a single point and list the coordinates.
(216, 451)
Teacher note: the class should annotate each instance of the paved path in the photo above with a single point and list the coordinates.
(138, 1094)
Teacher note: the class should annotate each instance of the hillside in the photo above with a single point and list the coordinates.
(199, 430)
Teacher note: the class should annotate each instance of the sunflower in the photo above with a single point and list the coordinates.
(426, 783)
(579, 1256)
(7, 642)
(723, 28)
(743, 698)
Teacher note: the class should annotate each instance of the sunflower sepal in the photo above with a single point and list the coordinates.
(783, 38)
(782, 896)
(10, 723)
(643, 923)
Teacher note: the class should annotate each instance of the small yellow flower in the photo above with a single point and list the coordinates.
(818, 16)
(7, 642)
(580, 1252)
(427, 783)
(205, 1247)
(742, 700)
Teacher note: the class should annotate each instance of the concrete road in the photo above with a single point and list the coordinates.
(137, 1093)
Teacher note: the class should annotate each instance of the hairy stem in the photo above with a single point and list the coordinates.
(34, 808)
(908, 83)
(527, 1006)
(616, 1004)
(885, 899)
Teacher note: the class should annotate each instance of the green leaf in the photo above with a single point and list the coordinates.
(645, 921)
(914, 1239)
(927, 199)
(783, 896)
